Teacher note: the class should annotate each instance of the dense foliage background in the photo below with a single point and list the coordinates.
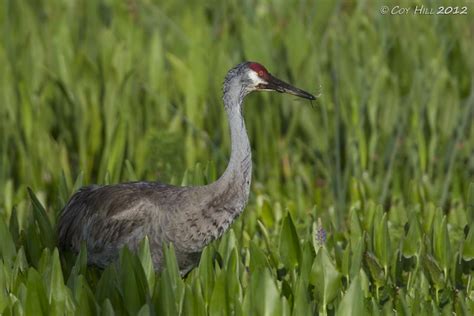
(361, 202)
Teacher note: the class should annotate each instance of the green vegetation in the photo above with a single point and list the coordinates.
(109, 91)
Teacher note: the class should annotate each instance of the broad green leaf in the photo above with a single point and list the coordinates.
(86, 304)
(289, 245)
(47, 234)
(33, 244)
(357, 256)
(272, 251)
(5, 287)
(21, 263)
(234, 288)
(381, 239)
(133, 281)
(78, 183)
(376, 269)
(170, 286)
(257, 257)
(262, 297)
(433, 271)
(145, 311)
(165, 296)
(59, 295)
(132, 176)
(80, 266)
(206, 273)
(36, 300)
(63, 188)
(441, 247)
(219, 300)
(193, 304)
(265, 211)
(14, 226)
(7, 245)
(227, 244)
(411, 242)
(325, 278)
(352, 302)
(468, 246)
(301, 305)
(470, 203)
(108, 287)
(355, 227)
(107, 309)
(144, 255)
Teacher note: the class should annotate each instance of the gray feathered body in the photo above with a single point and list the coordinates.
(110, 217)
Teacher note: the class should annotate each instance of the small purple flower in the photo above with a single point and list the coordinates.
(320, 233)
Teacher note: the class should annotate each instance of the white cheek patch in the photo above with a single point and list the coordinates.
(256, 80)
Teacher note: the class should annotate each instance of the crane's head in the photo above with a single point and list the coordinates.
(252, 76)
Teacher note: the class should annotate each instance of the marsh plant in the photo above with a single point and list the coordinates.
(362, 203)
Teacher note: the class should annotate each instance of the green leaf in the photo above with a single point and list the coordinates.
(352, 302)
(78, 183)
(289, 246)
(59, 296)
(262, 297)
(46, 230)
(5, 288)
(441, 242)
(468, 246)
(132, 176)
(301, 305)
(434, 271)
(80, 266)
(36, 300)
(219, 300)
(206, 273)
(145, 311)
(21, 263)
(193, 303)
(325, 278)
(265, 211)
(33, 244)
(258, 258)
(133, 281)
(107, 288)
(86, 304)
(227, 244)
(272, 251)
(165, 297)
(7, 245)
(357, 255)
(144, 254)
(355, 227)
(381, 239)
(14, 226)
(376, 269)
(412, 241)
(233, 287)
(106, 308)
(170, 287)
(470, 203)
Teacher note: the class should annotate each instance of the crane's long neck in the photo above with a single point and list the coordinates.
(223, 200)
(239, 168)
(234, 185)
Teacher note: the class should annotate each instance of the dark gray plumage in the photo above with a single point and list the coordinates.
(112, 216)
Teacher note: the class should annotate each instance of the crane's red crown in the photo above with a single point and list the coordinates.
(259, 69)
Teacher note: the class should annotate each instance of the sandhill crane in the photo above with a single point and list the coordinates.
(110, 217)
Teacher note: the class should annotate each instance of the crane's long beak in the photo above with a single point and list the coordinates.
(278, 85)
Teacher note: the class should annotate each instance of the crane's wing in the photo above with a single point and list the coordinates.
(108, 217)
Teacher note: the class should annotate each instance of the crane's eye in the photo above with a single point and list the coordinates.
(260, 73)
